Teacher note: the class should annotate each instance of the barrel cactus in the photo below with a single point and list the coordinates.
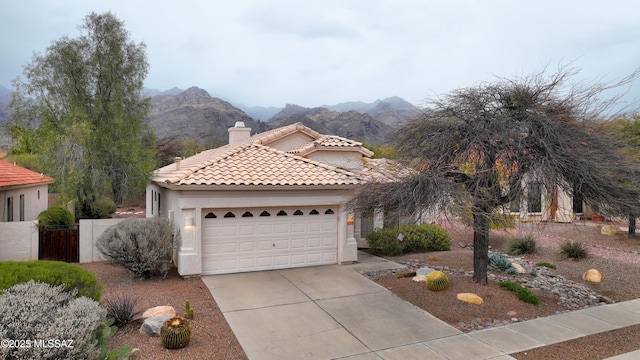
(175, 333)
(437, 281)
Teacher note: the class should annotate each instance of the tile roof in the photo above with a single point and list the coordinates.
(16, 176)
(255, 165)
(330, 142)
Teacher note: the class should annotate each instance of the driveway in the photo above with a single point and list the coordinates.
(326, 312)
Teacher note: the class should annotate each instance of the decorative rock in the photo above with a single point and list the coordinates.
(425, 271)
(168, 311)
(470, 298)
(610, 230)
(420, 278)
(151, 326)
(519, 268)
(512, 313)
(592, 275)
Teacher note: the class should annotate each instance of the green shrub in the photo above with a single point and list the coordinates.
(521, 292)
(41, 311)
(499, 262)
(521, 246)
(72, 277)
(97, 207)
(546, 264)
(56, 217)
(573, 250)
(415, 238)
(143, 246)
(500, 221)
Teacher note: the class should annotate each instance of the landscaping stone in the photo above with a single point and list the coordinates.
(470, 298)
(592, 275)
(159, 310)
(151, 326)
(610, 230)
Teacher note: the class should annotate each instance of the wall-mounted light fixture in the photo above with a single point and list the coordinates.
(350, 221)
(188, 221)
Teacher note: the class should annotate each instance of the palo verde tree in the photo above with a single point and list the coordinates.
(476, 149)
(81, 111)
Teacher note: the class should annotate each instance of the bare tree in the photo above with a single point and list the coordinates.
(477, 148)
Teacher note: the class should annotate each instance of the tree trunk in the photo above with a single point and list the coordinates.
(480, 246)
(632, 225)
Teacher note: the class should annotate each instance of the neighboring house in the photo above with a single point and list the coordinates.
(268, 201)
(24, 193)
(542, 204)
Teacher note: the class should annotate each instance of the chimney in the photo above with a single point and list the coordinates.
(178, 160)
(238, 133)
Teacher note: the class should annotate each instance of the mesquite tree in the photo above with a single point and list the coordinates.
(80, 109)
(476, 149)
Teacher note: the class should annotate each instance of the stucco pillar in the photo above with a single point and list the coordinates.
(347, 245)
(188, 260)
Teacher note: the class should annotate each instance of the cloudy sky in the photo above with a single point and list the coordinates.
(315, 52)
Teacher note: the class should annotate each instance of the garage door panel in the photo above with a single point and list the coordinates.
(236, 244)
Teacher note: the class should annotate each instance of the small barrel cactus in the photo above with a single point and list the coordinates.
(437, 281)
(175, 333)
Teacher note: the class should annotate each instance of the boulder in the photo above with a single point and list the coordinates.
(425, 271)
(419, 278)
(592, 275)
(470, 298)
(168, 311)
(151, 326)
(610, 230)
(519, 268)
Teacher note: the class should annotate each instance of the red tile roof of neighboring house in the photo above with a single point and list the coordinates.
(16, 176)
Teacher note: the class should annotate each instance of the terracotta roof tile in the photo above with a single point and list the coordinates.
(330, 141)
(15, 176)
(255, 164)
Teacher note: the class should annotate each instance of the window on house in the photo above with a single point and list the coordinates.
(514, 206)
(21, 208)
(153, 199)
(247, 214)
(314, 212)
(281, 213)
(329, 212)
(534, 198)
(9, 208)
(210, 216)
(265, 213)
(229, 215)
(298, 212)
(577, 202)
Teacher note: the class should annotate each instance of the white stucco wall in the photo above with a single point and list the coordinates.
(181, 205)
(90, 230)
(19, 241)
(36, 200)
(343, 159)
(291, 142)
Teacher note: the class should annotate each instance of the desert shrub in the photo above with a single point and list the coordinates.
(415, 238)
(72, 277)
(521, 292)
(500, 221)
(41, 311)
(97, 207)
(143, 246)
(573, 250)
(521, 245)
(546, 264)
(121, 308)
(499, 262)
(56, 217)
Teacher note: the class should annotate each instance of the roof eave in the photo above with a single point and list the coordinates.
(256, 187)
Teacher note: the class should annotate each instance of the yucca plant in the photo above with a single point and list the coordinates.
(573, 250)
(521, 245)
(121, 308)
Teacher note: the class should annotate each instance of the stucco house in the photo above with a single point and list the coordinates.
(24, 193)
(269, 201)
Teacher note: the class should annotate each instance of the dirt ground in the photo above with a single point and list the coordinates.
(615, 256)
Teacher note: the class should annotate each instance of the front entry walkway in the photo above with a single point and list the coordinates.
(333, 312)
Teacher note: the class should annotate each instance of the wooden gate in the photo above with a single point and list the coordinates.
(59, 245)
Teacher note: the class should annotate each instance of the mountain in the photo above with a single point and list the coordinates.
(155, 92)
(392, 111)
(262, 113)
(350, 124)
(194, 114)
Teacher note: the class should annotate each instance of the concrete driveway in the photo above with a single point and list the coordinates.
(324, 312)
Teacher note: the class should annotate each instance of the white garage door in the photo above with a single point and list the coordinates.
(268, 238)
